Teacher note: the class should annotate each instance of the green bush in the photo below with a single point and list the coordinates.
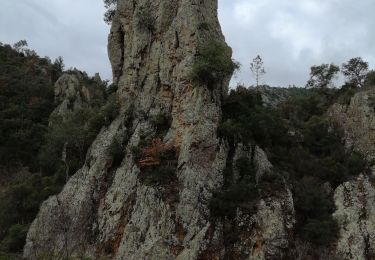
(370, 79)
(161, 123)
(117, 151)
(146, 19)
(271, 183)
(213, 64)
(246, 169)
(320, 232)
(15, 238)
(158, 175)
(241, 195)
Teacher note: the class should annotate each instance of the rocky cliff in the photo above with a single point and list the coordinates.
(145, 189)
(355, 200)
(110, 211)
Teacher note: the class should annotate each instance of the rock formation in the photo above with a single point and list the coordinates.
(105, 211)
(167, 126)
(72, 92)
(355, 200)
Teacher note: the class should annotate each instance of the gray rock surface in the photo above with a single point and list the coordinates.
(355, 199)
(73, 92)
(358, 121)
(355, 213)
(109, 212)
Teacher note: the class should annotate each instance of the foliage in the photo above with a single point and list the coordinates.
(163, 174)
(315, 209)
(146, 19)
(370, 79)
(298, 141)
(19, 204)
(161, 122)
(239, 194)
(117, 151)
(213, 64)
(322, 76)
(203, 26)
(111, 6)
(15, 239)
(26, 100)
(254, 123)
(33, 141)
(257, 69)
(355, 71)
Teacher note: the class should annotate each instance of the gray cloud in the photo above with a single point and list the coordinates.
(290, 35)
(293, 35)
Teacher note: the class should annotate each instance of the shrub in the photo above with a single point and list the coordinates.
(271, 183)
(158, 175)
(136, 152)
(241, 195)
(203, 26)
(110, 110)
(15, 239)
(213, 64)
(161, 123)
(321, 232)
(370, 79)
(146, 19)
(246, 170)
(117, 151)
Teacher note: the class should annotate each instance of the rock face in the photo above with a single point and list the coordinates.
(121, 209)
(72, 92)
(108, 211)
(358, 121)
(355, 213)
(355, 200)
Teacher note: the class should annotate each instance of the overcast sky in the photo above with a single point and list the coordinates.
(290, 35)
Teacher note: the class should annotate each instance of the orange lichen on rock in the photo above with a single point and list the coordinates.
(151, 155)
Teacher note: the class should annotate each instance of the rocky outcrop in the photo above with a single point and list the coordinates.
(74, 90)
(355, 214)
(273, 96)
(358, 121)
(355, 199)
(108, 211)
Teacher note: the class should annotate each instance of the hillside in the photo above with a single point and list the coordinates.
(168, 163)
(42, 115)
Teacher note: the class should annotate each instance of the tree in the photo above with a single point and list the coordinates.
(321, 76)
(257, 68)
(20, 45)
(355, 71)
(370, 79)
(111, 6)
(213, 64)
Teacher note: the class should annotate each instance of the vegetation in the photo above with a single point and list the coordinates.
(161, 123)
(117, 151)
(355, 71)
(299, 141)
(241, 194)
(26, 101)
(111, 6)
(257, 69)
(322, 76)
(213, 64)
(146, 19)
(370, 79)
(38, 153)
